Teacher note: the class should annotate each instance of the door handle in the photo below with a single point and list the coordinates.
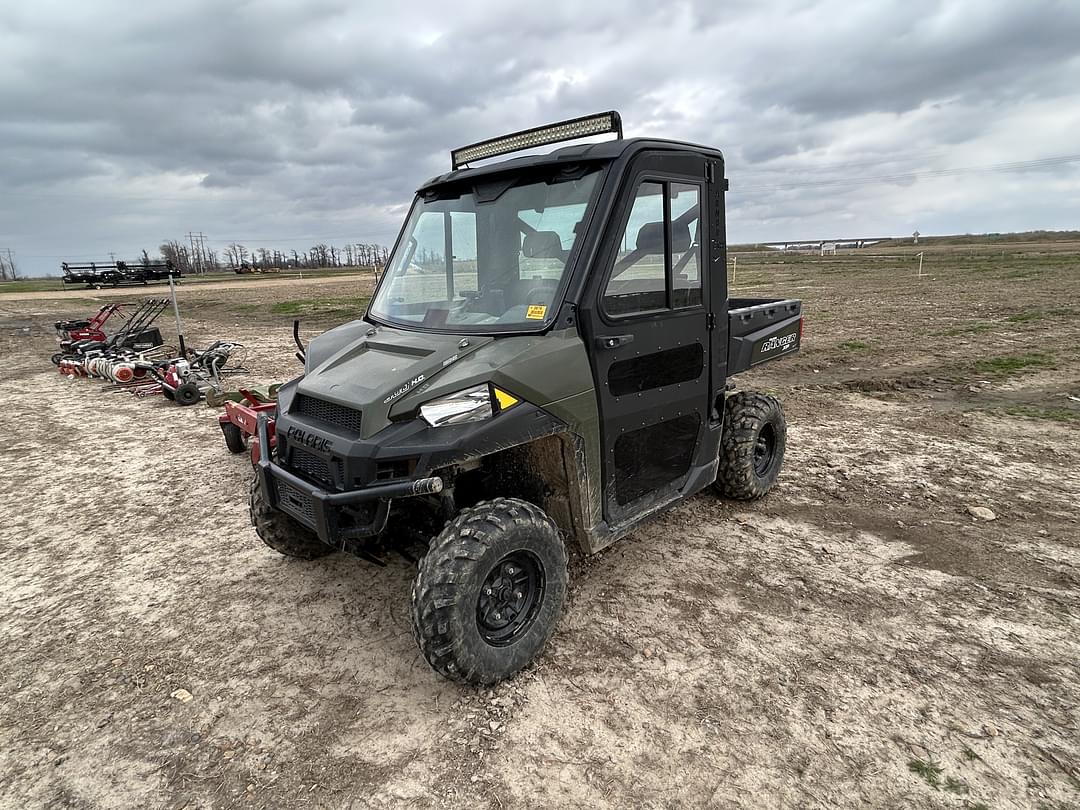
(614, 341)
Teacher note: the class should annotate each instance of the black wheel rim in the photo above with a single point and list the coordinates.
(510, 598)
(764, 450)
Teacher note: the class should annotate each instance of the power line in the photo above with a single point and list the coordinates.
(308, 238)
(855, 181)
(892, 157)
(352, 239)
(996, 168)
(1016, 166)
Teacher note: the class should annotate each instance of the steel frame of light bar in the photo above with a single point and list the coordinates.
(520, 140)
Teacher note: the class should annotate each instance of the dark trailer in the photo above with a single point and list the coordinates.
(115, 274)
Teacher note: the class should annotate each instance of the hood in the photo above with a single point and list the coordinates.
(369, 367)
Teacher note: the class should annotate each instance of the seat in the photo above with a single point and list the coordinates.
(543, 245)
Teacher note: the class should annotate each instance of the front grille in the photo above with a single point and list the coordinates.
(328, 412)
(295, 502)
(310, 465)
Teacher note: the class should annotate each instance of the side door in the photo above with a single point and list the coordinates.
(647, 322)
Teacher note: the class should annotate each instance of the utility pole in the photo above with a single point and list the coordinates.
(200, 258)
(9, 268)
(191, 256)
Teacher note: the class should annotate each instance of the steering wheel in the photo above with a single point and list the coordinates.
(541, 293)
(484, 299)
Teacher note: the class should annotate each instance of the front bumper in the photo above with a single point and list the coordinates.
(324, 511)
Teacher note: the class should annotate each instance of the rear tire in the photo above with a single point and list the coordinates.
(490, 591)
(234, 437)
(279, 531)
(169, 395)
(187, 394)
(752, 447)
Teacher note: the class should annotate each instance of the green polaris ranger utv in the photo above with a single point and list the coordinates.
(545, 361)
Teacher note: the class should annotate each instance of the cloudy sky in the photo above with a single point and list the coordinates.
(290, 123)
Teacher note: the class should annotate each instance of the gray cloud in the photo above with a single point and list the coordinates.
(125, 125)
(864, 60)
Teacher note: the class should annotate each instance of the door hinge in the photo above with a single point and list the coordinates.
(710, 321)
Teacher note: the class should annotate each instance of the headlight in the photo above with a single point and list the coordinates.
(471, 405)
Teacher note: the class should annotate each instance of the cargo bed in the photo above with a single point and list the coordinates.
(761, 329)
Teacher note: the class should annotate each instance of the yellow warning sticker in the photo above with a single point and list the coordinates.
(536, 312)
(505, 400)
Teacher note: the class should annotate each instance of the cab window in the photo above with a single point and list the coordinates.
(487, 258)
(658, 263)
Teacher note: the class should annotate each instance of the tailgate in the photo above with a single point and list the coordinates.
(761, 329)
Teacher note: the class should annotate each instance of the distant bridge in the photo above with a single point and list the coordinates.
(814, 244)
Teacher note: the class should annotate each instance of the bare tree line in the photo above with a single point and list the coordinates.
(197, 258)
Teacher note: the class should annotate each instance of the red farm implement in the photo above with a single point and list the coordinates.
(91, 328)
(137, 333)
(240, 420)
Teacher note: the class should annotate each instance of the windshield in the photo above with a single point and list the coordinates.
(488, 260)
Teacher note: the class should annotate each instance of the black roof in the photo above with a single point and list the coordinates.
(603, 152)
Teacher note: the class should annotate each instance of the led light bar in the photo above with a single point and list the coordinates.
(598, 124)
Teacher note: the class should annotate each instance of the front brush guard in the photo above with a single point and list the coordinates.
(318, 509)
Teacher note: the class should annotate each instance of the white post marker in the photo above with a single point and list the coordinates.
(176, 312)
(920, 264)
(734, 267)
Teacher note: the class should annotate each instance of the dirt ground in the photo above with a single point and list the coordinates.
(857, 638)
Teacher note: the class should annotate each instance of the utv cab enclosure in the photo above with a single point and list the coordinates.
(545, 360)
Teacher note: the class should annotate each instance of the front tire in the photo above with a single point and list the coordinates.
(490, 591)
(187, 394)
(752, 447)
(279, 531)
